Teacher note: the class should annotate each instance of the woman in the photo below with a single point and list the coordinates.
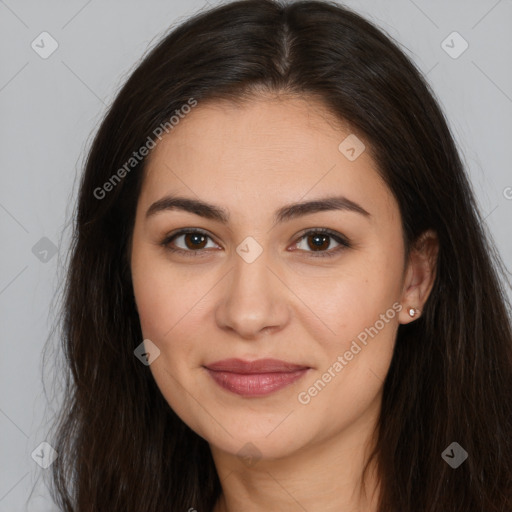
(281, 295)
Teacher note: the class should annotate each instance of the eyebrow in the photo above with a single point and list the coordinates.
(287, 212)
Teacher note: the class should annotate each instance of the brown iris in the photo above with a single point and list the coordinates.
(319, 241)
(196, 238)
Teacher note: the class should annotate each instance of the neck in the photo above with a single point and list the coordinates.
(325, 476)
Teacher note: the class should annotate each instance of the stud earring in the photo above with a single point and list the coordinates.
(412, 311)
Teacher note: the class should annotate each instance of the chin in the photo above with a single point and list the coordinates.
(259, 441)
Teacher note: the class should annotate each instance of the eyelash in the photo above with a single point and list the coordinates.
(344, 243)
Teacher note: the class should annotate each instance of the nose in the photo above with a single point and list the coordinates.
(254, 300)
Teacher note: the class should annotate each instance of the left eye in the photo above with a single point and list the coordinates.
(321, 239)
(318, 239)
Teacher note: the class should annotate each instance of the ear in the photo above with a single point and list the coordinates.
(420, 276)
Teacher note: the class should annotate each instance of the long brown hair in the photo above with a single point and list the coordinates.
(121, 447)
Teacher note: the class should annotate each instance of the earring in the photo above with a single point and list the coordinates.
(412, 311)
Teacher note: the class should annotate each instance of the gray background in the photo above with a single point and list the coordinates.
(51, 108)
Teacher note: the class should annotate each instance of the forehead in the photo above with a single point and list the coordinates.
(276, 127)
(267, 149)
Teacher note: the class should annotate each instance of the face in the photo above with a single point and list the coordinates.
(255, 279)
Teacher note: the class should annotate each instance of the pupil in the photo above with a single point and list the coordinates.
(197, 238)
(319, 240)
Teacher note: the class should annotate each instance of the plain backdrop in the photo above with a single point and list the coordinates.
(50, 108)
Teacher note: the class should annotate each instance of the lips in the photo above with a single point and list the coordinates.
(255, 378)
(258, 366)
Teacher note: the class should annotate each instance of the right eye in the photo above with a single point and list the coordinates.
(194, 240)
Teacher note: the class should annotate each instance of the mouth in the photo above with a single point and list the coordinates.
(255, 378)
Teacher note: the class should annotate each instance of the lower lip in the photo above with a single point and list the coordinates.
(255, 384)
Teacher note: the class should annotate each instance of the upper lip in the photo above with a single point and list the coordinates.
(258, 366)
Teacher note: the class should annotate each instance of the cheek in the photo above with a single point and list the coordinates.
(167, 303)
(165, 298)
(361, 307)
(362, 310)
(356, 298)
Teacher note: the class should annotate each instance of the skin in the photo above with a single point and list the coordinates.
(286, 304)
